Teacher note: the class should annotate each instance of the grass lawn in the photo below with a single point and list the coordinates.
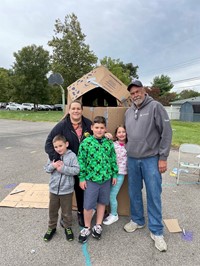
(183, 132)
(49, 116)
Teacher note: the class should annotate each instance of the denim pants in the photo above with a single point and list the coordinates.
(145, 169)
(113, 194)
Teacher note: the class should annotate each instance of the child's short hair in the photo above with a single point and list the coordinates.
(99, 120)
(59, 137)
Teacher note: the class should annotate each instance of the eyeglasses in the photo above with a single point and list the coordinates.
(136, 114)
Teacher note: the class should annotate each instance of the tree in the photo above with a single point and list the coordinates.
(165, 99)
(163, 83)
(188, 94)
(30, 69)
(6, 86)
(124, 72)
(71, 57)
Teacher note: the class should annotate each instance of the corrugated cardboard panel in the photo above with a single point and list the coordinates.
(98, 77)
(28, 195)
(114, 115)
(123, 199)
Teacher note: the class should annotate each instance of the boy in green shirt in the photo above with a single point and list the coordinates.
(98, 166)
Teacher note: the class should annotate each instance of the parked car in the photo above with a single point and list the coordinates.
(28, 106)
(3, 105)
(58, 107)
(14, 107)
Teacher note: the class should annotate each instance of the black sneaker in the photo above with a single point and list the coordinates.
(69, 234)
(80, 219)
(96, 231)
(49, 234)
(84, 234)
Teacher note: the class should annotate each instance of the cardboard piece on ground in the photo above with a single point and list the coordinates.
(172, 225)
(31, 196)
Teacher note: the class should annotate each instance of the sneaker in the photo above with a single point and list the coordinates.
(69, 234)
(131, 227)
(111, 219)
(84, 234)
(80, 219)
(160, 243)
(49, 234)
(96, 231)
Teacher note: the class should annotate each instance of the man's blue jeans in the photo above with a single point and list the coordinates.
(145, 169)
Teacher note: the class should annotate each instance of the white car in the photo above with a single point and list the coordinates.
(28, 106)
(14, 107)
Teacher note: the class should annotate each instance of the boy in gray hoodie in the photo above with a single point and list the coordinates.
(61, 187)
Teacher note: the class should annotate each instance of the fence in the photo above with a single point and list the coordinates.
(173, 112)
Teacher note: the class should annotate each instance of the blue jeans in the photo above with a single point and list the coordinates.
(145, 169)
(113, 194)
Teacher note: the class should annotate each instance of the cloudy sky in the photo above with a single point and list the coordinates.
(160, 36)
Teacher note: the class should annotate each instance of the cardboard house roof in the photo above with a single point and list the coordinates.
(98, 77)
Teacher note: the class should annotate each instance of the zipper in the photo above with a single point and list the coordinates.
(60, 178)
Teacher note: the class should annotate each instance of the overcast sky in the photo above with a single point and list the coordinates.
(160, 36)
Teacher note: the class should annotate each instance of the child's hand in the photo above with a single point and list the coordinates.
(114, 181)
(83, 185)
(58, 165)
(109, 136)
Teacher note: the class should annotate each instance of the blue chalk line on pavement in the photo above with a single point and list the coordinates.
(86, 254)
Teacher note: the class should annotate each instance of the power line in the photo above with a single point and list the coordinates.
(184, 80)
(176, 66)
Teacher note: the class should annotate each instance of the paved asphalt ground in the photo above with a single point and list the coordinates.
(22, 158)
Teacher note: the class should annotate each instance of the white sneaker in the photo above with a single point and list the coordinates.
(160, 243)
(111, 219)
(132, 226)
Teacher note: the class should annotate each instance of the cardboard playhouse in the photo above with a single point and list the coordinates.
(102, 93)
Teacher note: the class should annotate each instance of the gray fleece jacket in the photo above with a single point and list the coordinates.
(62, 183)
(148, 129)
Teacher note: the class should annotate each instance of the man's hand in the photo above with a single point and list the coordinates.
(162, 166)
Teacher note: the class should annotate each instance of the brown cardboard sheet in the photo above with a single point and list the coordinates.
(172, 225)
(27, 195)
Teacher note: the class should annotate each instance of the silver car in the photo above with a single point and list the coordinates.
(14, 107)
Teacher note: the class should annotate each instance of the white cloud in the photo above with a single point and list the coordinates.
(155, 35)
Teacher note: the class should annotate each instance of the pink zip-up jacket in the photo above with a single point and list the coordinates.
(121, 157)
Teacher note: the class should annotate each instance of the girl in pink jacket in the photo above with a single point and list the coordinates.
(119, 144)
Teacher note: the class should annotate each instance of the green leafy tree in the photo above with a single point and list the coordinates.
(188, 94)
(124, 72)
(6, 86)
(71, 57)
(165, 99)
(30, 69)
(163, 83)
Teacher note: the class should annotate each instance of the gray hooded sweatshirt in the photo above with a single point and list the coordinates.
(148, 129)
(62, 183)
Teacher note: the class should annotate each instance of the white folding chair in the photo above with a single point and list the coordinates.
(188, 153)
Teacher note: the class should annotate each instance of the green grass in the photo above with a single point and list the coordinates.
(183, 132)
(50, 116)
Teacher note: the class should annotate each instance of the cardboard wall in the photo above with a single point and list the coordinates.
(114, 115)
